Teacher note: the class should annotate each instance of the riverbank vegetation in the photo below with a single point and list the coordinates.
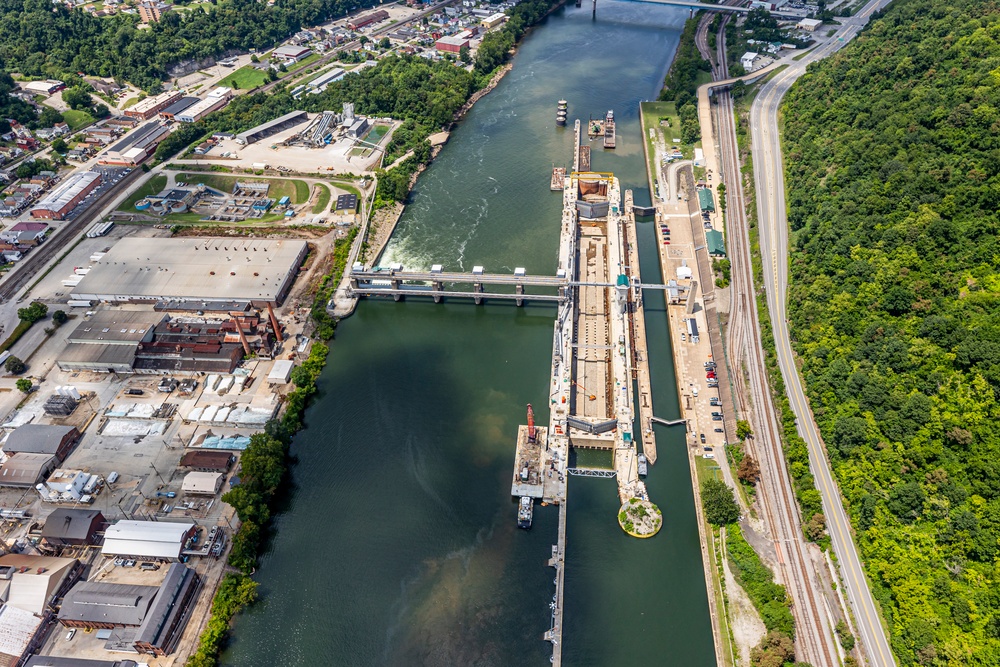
(890, 148)
(681, 84)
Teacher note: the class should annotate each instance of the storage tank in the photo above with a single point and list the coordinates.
(142, 204)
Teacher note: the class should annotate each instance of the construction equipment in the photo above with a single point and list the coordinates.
(532, 433)
(591, 397)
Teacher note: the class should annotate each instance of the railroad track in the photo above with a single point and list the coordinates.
(30, 265)
(813, 637)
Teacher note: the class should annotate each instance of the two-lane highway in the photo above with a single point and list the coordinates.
(773, 226)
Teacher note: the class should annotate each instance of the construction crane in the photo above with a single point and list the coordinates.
(590, 396)
(532, 434)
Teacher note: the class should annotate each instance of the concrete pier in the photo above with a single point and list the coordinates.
(640, 355)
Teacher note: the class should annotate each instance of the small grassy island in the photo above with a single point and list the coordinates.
(640, 518)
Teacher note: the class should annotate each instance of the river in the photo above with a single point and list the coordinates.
(398, 545)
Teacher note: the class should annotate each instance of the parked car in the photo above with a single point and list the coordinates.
(703, 437)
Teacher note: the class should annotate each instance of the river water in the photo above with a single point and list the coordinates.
(398, 545)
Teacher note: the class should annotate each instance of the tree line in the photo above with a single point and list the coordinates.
(42, 39)
(893, 190)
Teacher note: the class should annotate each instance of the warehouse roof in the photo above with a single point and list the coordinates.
(36, 438)
(206, 483)
(34, 580)
(204, 458)
(116, 327)
(180, 105)
(264, 129)
(25, 469)
(98, 354)
(193, 268)
(141, 138)
(115, 604)
(17, 628)
(63, 193)
(69, 523)
(152, 539)
(56, 661)
(162, 618)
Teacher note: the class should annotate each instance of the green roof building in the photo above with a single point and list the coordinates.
(715, 242)
(705, 199)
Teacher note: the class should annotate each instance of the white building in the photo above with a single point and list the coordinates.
(748, 59)
(809, 25)
(147, 539)
(67, 482)
(202, 483)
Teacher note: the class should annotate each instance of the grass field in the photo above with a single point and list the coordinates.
(322, 200)
(296, 190)
(151, 187)
(77, 119)
(245, 78)
(130, 102)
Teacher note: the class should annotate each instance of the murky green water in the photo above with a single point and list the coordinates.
(399, 545)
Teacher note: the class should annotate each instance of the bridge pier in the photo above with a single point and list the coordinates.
(519, 289)
(395, 285)
(593, 14)
(354, 283)
(438, 289)
(478, 289)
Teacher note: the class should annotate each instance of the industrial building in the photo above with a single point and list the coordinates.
(202, 483)
(48, 439)
(809, 25)
(367, 20)
(55, 661)
(160, 540)
(705, 200)
(135, 147)
(451, 44)
(107, 341)
(291, 54)
(70, 526)
(149, 107)
(21, 633)
(26, 470)
(271, 127)
(213, 101)
(207, 460)
(153, 616)
(493, 20)
(319, 84)
(164, 623)
(64, 197)
(180, 105)
(32, 583)
(748, 60)
(346, 205)
(193, 269)
(44, 87)
(92, 605)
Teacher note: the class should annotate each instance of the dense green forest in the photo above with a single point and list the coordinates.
(38, 38)
(892, 151)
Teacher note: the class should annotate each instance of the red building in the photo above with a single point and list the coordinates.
(367, 20)
(451, 44)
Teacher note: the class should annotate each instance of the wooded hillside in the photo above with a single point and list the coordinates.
(892, 151)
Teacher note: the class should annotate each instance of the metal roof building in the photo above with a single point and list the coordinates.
(56, 661)
(715, 242)
(193, 269)
(41, 439)
(136, 146)
(31, 582)
(73, 526)
(94, 604)
(66, 195)
(178, 106)
(20, 632)
(202, 483)
(265, 130)
(147, 539)
(26, 469)
(705, 199)
(164, 622)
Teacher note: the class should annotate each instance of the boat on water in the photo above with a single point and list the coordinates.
(642, 464)
(525, 511)
(609, 130)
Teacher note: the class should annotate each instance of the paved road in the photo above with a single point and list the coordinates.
(773, 226)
